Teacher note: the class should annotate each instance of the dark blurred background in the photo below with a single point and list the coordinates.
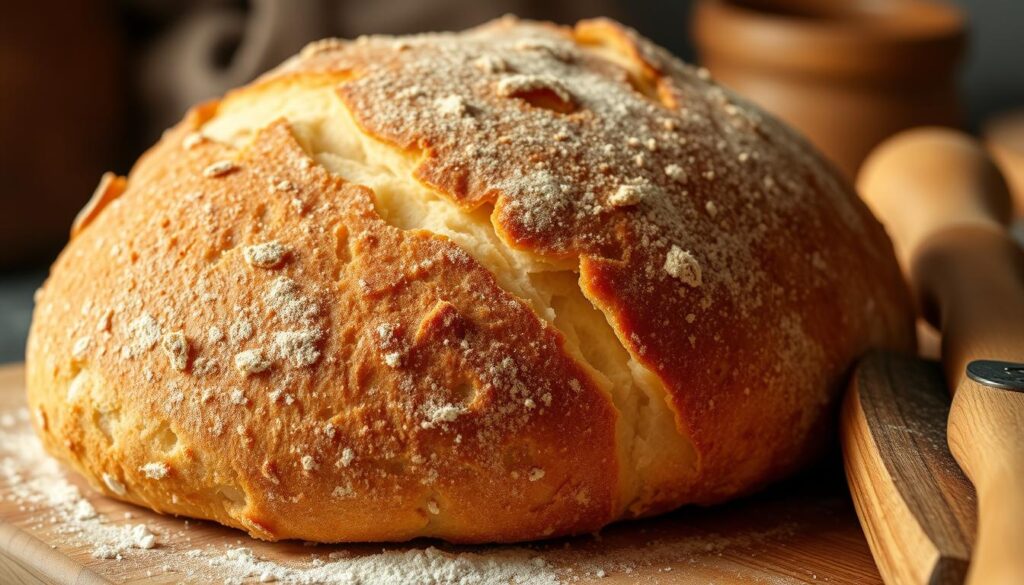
(86, 86)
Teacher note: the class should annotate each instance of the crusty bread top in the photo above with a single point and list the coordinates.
(297, 308)
(732, 259)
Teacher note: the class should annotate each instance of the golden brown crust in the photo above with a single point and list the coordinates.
(349, 380)
(798, 277)
(181, 264)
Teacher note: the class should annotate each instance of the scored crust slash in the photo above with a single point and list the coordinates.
(506, 284)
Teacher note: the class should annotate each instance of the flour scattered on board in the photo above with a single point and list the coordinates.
(58, 511)
(38, 485)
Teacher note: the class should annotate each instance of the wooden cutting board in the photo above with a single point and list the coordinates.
(803, 531)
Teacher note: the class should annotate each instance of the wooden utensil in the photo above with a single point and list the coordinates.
(914, 503)
(946, 206)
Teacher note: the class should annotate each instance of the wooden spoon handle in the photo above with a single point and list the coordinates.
(946, 206)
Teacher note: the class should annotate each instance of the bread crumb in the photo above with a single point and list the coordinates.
(142, 537)
(175, 345)
(386, 333)
(80, 346)
(515, 85)
(347, 456)
(284, 185)
(393, 359)
(308, 463)
(214, 335)
(219, 168)
(114, 485)
(626, 196)
(251, 362)
(440, 413)
(155, 470)
(681, 264)
(266, 255)
(238, 397)
(711, 208)
(536, 474)
(433, 508)
(453, 105)
(676, 173)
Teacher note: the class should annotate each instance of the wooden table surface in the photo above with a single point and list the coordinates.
(802, 531)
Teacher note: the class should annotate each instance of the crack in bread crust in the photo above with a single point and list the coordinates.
(655, 457)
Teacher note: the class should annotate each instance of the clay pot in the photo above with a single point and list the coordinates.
(1004, 136)
(846, 73)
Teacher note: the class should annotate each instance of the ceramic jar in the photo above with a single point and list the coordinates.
(846, 73)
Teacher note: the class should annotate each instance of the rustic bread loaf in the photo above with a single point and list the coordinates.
(512, 283)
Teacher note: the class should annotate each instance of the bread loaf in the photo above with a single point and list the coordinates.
(506, 284)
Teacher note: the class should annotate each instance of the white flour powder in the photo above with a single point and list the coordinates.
(62, 516)
(36, 483)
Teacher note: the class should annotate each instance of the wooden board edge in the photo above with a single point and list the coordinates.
(26, 559)
(878, 498)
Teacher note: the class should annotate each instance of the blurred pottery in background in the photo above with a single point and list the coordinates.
(1004, 136)
(846, 73)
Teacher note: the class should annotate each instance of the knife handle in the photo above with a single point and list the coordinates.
(986, 436)
(928, 179)
(946, 206)
(971, 280)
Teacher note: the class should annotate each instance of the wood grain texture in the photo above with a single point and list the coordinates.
(802, 531)
(914, 502)
(947, 206)
(972, 276)
(986, 435)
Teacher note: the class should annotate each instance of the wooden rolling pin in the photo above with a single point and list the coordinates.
(946, 207)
